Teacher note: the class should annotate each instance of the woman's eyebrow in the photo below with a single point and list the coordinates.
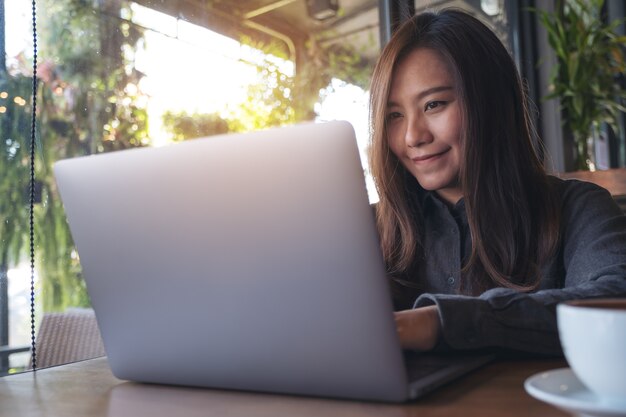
(433, 90)
(424, 93)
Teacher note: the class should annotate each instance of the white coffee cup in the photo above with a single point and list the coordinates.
(593, 337)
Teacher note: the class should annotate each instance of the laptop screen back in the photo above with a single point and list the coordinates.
(247, 261)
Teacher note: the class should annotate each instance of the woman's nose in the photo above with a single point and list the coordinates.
(417, 133)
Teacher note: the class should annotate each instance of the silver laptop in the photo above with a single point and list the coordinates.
(243, 261)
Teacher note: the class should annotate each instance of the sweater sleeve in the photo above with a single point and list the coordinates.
(593, 250)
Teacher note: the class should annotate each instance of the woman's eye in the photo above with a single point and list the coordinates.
(433, 105)
(394, 115)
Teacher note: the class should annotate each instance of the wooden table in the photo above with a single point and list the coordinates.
(613, 180)
(88, 388)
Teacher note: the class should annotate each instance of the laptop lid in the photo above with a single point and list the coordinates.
(242, 261)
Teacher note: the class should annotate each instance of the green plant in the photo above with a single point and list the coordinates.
(590, 58)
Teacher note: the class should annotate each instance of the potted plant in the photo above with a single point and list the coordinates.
(590, 62)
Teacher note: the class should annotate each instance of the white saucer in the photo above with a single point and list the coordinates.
(561, 388)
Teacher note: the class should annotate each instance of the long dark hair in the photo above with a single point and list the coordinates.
(512, 212)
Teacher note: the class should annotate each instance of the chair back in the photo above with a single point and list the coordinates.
(68, 337)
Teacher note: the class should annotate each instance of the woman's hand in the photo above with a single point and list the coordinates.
(419, 328)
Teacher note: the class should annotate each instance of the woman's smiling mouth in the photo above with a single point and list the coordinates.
(429, 157)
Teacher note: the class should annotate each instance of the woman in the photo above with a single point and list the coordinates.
(480, 242)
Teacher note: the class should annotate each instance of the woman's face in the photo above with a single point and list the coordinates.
(424, 122)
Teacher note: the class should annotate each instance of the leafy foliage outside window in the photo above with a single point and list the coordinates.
(279, 96)
(183, 125)
(88, 103)
(15, 120)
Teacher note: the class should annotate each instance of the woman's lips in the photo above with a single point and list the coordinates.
(428, 157)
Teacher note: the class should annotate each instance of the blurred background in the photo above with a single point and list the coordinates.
(117, 74)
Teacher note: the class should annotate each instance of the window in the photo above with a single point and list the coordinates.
(116, 74)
